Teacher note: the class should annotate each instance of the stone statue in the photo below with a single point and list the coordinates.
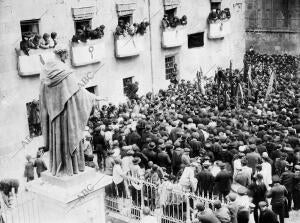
(65, 108)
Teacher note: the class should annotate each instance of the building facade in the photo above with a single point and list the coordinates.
(146, 59)
(273, 26)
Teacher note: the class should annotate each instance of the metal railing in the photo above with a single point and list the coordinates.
(19, 208)
(167, 201)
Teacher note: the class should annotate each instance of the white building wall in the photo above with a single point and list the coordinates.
(56, 16)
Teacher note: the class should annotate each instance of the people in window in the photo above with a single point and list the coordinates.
(25, 44)
(173, 21)
(36, 41)
(53, 41)
(45, 42)
(131, 29)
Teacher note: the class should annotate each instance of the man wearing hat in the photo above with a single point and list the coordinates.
(185, 158)
(296, 188)
(257, 190)
(266, 214)
(253, 157)
(163, 159)
(205, 214)
(278, 195)
(205, 181)
(222, 213)
(149, 152)
(287, 180)
(223, 182)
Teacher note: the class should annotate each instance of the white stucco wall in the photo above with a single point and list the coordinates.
(56, 15)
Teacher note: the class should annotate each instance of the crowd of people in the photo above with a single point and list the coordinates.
(171, 21)
(87, 33)
(35, 41)
(195, 143)
(126, 28)
(236, 144)
(218, 15)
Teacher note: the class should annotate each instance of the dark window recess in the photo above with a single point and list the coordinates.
(80, 24)
(169, 63)
(126, 18)
(126, 82)
(30, 26)
(196, 40)
(92, 89)
(215, 5)
(171, 12)
(33, 116)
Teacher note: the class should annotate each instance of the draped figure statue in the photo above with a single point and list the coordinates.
(65, 109)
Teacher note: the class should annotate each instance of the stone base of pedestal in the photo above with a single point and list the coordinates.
(75, 199)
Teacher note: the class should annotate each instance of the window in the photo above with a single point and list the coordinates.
(126, 82)
(273, 15)
(170, 65)
(171, 12)
(196, 40)
(80, 24)
(215, 5)
(126, 18)
(33, 116)
(30, 26)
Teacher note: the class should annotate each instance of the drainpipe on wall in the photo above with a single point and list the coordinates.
(151, 56)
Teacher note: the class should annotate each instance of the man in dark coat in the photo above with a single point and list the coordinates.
(195, 147)
(296, 189)
(133, 138)
(176, 160)
(151, 155)
(257, 190)
(253, 158)
(287, 179)
(205, 181)
(266, 214)
(99, 147)
(278, 195)
(163, 159)
(223, 182)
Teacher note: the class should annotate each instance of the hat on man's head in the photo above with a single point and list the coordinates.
(152, 145)
(136, 160)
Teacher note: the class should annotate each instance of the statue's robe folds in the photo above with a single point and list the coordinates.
(65, 110)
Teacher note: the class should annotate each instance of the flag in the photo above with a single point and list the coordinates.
(239, 92)
(270, 86)
(249, 75)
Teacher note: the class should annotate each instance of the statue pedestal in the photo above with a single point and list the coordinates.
(75, 199)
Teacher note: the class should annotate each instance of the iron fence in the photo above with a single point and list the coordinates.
(166, 201)
(19, 208)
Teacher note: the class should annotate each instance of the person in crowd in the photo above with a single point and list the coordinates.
(222, 213)
(278, 195)
(205, 181)
(29, 169)
(100, 146)
(223, 182)
(287, 180)
(266, 214)
(118, 178)
(204, 214)
(53, 41)
(257, 191)
(296, 188)
(39, 164)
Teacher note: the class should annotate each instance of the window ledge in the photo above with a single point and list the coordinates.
(271, 31)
